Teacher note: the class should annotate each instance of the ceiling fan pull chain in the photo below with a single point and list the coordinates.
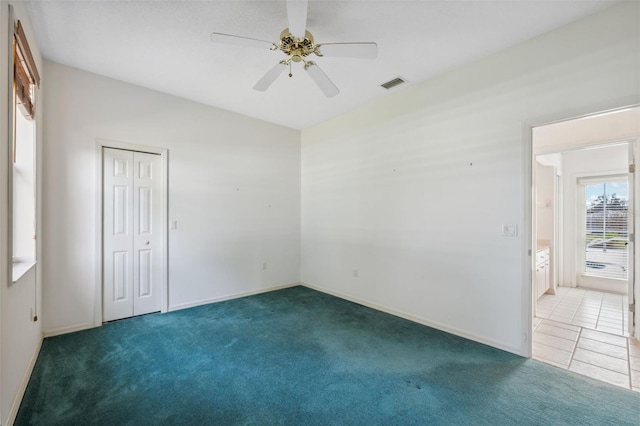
(290, 74)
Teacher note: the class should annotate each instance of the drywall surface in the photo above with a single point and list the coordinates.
(21, 338)
(545, 182)
(545, 212)
(610, 127)
(20, 335)
(413, 190)
(234, 191)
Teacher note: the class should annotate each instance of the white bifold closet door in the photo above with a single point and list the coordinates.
(132, 234)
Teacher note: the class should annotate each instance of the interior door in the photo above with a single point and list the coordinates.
(132, 255)
(147, 241)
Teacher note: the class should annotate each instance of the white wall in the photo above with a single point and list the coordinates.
(576, 164)
(545, 213)
(20, 336)
(234, 189)
(413, 190)
(551, 160)
(593, 130)
(545, 182)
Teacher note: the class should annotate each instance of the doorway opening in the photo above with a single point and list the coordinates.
(583, 235)
(132, 236)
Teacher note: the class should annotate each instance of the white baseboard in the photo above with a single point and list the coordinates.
(230, 297)
(433, 324)
(69, 329)
(15, 406)
(88, 325)
(423, 321)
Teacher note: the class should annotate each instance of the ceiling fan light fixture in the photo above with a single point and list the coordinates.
(297, 43)
(293, 46)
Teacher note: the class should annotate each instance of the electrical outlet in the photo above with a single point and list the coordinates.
(356, 273)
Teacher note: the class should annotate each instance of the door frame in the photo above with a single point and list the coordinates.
(164, 184)
(528, 240)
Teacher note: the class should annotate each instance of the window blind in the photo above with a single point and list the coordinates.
(25, 72)
(606, 232)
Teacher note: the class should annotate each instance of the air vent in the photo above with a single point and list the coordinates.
(393, 83)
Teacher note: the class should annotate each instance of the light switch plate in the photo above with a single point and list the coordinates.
(510, 230)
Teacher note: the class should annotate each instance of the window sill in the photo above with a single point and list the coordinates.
(20, 269)
(600, 277)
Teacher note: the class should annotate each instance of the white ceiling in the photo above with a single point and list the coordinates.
(165, 45)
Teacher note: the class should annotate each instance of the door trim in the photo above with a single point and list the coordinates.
(164, 159)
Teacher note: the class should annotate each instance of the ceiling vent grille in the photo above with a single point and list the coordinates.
(393, 83)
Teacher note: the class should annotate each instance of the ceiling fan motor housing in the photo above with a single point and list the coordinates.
(296, 48)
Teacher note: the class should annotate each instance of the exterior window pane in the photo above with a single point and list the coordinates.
(606, 231)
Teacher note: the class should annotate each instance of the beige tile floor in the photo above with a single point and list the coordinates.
(584, 331)
(596, 310)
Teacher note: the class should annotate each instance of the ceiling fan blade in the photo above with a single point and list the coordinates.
(365, 50)
(297, 15)
(267, 80)
(241, 41)
(320, 78)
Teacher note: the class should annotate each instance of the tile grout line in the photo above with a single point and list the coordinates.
(557, 337)
(605, 343)
(600, 303)
(534, 329)
(574, 312)
(557, 304)
(629, 363)
(575, 346)
(600, 366)
(624, 331)
(622, 325)
(605, 368)
(599, 311)
(552, 347)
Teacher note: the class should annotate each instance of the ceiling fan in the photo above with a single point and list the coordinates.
(297, 43)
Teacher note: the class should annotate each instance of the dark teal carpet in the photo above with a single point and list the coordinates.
(297, 356)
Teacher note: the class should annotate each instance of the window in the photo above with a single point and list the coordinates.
(23, 177)
(606, 232)
(24, 194)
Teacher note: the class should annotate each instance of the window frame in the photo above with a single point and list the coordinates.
(585, 279)
(21, 58)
